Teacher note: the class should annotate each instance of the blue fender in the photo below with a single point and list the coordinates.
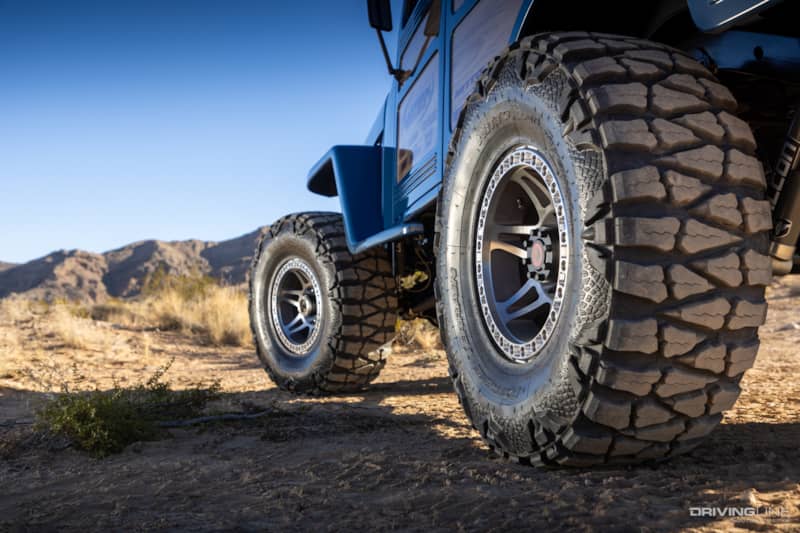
(354, 174)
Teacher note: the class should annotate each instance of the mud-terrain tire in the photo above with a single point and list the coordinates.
(352, 301)
(663, 290)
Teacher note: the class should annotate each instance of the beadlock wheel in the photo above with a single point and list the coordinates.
(521, 253)
(662, 258)
(319, 314)
(295, 305)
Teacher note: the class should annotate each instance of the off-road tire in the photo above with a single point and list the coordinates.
(671, 229)
(359, 306)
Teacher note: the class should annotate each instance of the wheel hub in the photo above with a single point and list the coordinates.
(539, 261)
(521, 253)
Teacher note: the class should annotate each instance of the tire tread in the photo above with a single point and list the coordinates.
(679, 232)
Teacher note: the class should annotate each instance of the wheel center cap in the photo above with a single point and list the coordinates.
(537, 255)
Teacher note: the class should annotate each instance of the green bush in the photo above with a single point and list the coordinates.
(105, 422)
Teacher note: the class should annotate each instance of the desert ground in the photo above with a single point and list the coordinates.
(399, 456)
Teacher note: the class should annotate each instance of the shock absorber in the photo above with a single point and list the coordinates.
(784, 195)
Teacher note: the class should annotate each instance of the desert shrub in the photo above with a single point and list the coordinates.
(116, 311)
(74, 308)
(105, 422)
(188, 286)
(100, 422)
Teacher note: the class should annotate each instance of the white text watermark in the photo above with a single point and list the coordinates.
(733, 512)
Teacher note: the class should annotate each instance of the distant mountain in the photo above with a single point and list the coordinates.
(86, 276)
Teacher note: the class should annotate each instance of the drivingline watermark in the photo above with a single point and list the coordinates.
(735, 512)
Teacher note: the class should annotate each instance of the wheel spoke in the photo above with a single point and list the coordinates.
(299, 327)
(517, 296)
(511, 229)
(508, 248)
(293, 292)
(525, 184)
(291, 301)
(530, 308)
(541, 300)
(297, 318)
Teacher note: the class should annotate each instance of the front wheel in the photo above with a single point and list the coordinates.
(319, 314)
(602, 241)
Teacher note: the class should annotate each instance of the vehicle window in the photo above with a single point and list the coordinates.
(457, 5)
(414, 46)
(416, 135)
(480, 36)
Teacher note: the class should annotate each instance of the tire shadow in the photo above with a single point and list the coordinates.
(308, 460)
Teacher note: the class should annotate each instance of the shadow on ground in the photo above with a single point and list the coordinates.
(360, 462)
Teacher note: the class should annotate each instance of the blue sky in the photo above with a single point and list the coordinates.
(172, 119)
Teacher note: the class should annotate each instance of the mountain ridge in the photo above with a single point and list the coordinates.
(79, 275)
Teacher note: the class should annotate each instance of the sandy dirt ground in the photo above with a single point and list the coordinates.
(400, 456)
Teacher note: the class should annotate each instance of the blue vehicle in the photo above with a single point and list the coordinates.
(588, 198)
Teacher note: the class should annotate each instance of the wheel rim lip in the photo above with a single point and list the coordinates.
(525, 156)
(300, 270)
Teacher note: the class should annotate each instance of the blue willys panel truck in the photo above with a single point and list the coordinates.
(588, 198)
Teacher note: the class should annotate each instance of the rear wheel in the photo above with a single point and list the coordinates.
(319, 314)
(602, 241)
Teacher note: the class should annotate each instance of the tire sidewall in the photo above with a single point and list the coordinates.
(288, 367)
(495, 388)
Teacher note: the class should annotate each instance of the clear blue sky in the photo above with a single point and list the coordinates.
(126, 120)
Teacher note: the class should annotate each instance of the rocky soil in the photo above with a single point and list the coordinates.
(400, 456)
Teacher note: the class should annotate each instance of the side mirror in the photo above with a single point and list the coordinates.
(380, 14)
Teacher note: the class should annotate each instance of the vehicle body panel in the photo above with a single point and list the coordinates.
(414, 128)
(399, 170)
(758, 53)
(718, 15)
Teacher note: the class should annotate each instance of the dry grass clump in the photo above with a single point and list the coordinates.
(10, 342)
(198, 304)
(67, 323)
(223, 315)
(117, 312)
(193, 304)
(75, 331)
(218, 313)
(418, 333)
(15, 315)
(14, 309)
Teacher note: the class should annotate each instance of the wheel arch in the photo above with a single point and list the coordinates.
(658, 20)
